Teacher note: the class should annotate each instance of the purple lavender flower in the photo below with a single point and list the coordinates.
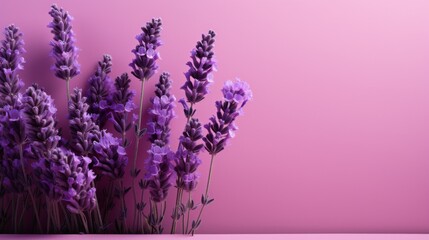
(159, 171)
(187, 160)
(159, 164)
(63, 45)
(45, 170)
(161, 112)
(100, 91)
(11, 61)
(74, 179)
(221, 127)
(83, 130)
(144, 65)
(111, 157)
(39, 112)
(199, 75)
(122, 104)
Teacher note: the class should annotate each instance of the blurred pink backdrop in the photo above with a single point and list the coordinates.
(337, 136)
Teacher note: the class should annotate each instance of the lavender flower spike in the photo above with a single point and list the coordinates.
(159, 164)
(122, 105)
(111, 157)
(201, 66)
(144, 65)
(100, 91)
(39, 112)
(75, 181)
(83, 130)
(221, 127)
(187, 160)
(11, 61)
(64, 50)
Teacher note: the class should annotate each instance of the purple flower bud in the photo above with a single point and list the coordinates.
(100, 91)
(201, 66)
(74, 181)
(111, 157)
(83, 130)
(11, 60)
(64, 50)
(122, 104)
(144, 64)
(39, 112)
(221, 127)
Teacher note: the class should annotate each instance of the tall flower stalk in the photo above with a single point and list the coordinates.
(158, 166)
(64, 50)
(100, 91)
(198, 78)
(144, 66)
(221, 128)
(39, 113)
(84, 133)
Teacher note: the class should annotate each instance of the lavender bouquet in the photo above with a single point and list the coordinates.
(73, 184)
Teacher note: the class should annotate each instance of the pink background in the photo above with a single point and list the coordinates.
(336, 138)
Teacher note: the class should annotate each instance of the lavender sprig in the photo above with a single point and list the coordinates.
(221, 128)
(64, 50)
(100, 91)
(144, 66)
(111, 157)
(199, 76)
(11, 60)
(39, 112)
(158, 165)
(75, 181)
(122, 105)
(83, 130)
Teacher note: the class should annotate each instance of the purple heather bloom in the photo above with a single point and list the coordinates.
(187, 160)
(83, 129)
(74, 180)
(159, 164)
(111, 156)
(100, 91)
(64, 50)
(201, 66)
(39, 112)
(221, 127)
(11, 61)
(122, 104)
(144, 65)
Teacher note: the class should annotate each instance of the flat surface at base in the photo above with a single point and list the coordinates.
(232, 237)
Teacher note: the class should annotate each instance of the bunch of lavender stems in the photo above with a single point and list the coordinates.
(144, 66)
(64, 50)
(11, 61)
(198, 78)
(221, 128)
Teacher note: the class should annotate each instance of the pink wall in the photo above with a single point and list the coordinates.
(336, 138)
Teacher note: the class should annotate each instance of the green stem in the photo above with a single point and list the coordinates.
(176, 210)
(189, 210)
(136, 150)
(206, 194)
(68, 89)
(122, 199)
(97, 209)
(84, 221)
(66, 216)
